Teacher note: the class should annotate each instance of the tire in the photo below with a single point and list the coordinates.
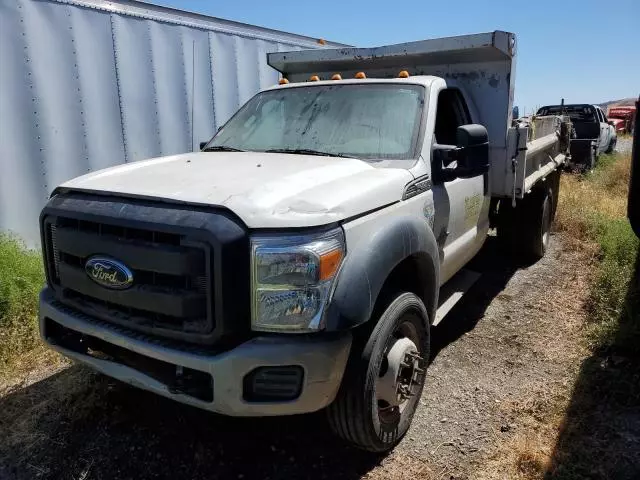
(612, 145)
(525, 231)
(358, 415)
(554, 184)
(592, 159)
(541, 215)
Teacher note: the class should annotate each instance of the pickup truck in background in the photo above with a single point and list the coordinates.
(298, 261)
(592, 133)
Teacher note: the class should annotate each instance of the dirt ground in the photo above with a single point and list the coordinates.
(507, 364)
(625, 144)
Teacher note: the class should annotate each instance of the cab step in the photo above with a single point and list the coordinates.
(452, 292)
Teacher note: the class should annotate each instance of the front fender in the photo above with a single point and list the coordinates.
(370, 263)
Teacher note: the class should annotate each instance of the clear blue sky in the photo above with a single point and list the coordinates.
(585, 51)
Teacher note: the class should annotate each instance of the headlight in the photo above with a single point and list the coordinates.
(292, 278)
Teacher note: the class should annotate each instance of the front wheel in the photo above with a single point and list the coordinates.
(612, 145)
(383, 382)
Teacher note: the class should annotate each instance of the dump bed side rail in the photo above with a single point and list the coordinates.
(537, 146)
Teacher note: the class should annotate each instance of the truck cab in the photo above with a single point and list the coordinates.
(378, 122)
(299, 260)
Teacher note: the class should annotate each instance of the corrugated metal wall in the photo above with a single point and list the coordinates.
(87, 84)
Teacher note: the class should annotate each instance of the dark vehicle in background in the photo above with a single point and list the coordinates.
(623, 118)
(592, 133)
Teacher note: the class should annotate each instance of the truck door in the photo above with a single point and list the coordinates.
(604, 139)
(461, 205)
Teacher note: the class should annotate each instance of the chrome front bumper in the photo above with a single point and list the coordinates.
(322, 358)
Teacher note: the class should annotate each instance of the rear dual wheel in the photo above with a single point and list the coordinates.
(525, 230)
(383, 382)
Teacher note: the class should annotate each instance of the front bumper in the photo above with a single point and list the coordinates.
(322, 358)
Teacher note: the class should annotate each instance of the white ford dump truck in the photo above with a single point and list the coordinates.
(299, 260)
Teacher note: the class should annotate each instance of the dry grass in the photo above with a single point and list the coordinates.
(535, 416)
(527, 451)
(28, 420)
(592, 211)
(558, 424)
(532, 456)
(23, 356)
(21, 278)
(30, 367)
(602, 192)
(402, 466)
(528, 454)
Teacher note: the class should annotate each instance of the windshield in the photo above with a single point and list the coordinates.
(368, 121)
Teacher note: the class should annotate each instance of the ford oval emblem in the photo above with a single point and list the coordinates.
(109, 273)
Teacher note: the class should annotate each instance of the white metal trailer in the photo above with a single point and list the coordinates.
(88, 84)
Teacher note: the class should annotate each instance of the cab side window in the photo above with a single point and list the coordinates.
(452, 112)
(604, 116)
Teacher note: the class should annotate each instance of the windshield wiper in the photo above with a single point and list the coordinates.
(305, 151)
(222, 148)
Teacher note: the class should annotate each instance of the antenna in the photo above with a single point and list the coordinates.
(193, 93)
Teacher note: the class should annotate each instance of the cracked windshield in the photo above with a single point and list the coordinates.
(361, 121)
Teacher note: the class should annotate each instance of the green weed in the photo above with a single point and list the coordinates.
(21, 278)
(593, 208)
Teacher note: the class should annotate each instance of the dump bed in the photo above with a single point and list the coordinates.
(483, 65)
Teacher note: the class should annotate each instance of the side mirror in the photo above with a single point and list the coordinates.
(472, 151)
(469, 158)
(203, 144)
(610, 122)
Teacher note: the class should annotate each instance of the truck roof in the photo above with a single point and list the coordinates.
(573, 106)
(623, 110)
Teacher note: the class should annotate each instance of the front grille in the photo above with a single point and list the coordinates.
(189, 265)
(170, 295)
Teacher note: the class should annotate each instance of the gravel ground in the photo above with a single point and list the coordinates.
(624, 144)
(512, 336)
(516, 335)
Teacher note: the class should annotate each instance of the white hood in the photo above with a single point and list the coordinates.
(265, 190)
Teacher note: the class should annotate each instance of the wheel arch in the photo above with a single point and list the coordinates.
(401, 254)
